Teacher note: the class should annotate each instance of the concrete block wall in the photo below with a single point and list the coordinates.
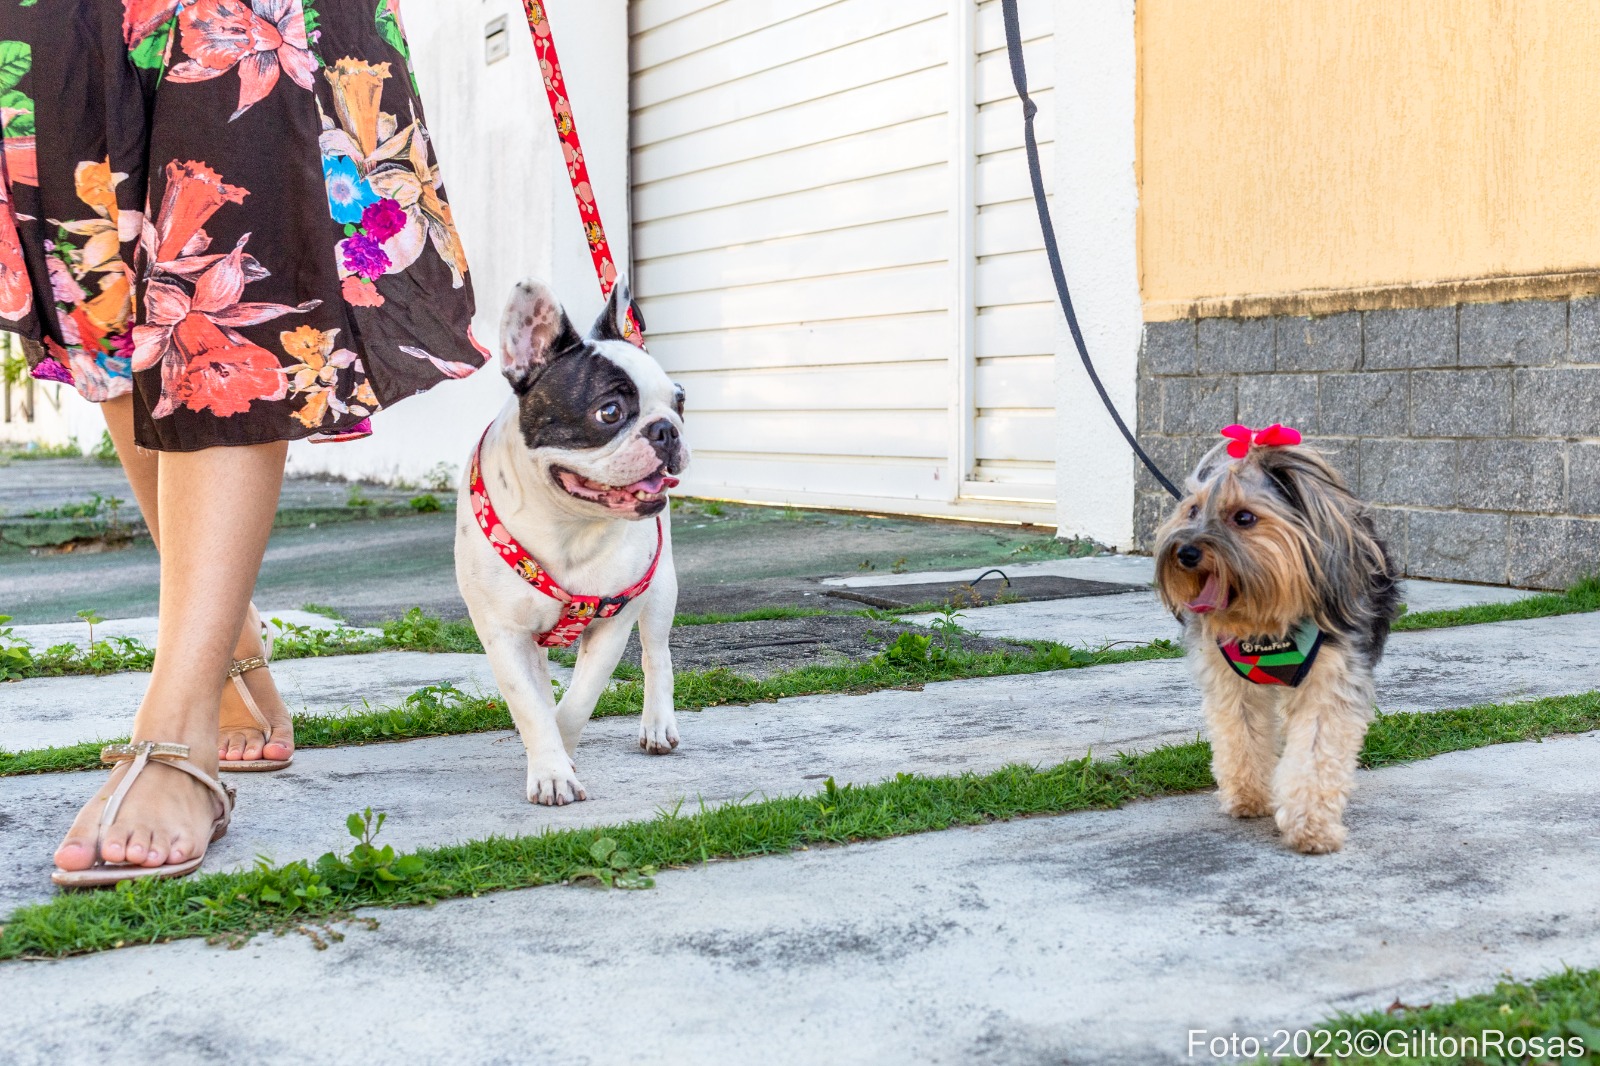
(1473, 430)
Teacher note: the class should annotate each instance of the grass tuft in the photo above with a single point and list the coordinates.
(1580, 598)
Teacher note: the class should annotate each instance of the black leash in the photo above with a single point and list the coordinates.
(1019, 76)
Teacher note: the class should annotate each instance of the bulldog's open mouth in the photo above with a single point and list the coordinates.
(628, 498)
(1214, 596)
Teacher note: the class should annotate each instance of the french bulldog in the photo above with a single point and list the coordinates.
(575, 472)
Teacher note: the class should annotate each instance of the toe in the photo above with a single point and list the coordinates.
(75, 853)
(277, 749)
(252, 747)
(136, 847)
(157, 853)
(235, 750)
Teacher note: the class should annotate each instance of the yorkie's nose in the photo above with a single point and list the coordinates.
(1189, 556)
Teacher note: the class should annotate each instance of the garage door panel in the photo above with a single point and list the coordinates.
(886, 339)
(1016, 434)
(885, 433)
(1009, 228)
(902, 99)
(655, 43)
(923, 288)
(870, 481)
(1004, 178)
(921, 386)
(859, 203)
(1014, 382)
(907, 146)
(999, 125)
(908, 242)
(868, 62)
(994, 72)
(1013, 279)
(1018, 329)
(812, 34)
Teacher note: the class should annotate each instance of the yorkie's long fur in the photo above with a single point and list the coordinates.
(1257, 546)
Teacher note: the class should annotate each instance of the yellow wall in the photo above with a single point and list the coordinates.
(1293, 145)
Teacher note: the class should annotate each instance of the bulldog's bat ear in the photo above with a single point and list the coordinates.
(534, 331)
(612, 325)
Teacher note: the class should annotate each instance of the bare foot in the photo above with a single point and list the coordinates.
(165, 818)
(240, 737)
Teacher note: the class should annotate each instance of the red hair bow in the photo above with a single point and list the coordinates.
(1272, 437)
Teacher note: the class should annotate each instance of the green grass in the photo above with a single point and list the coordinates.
(443, 710)
(233, 905)
(1563, 1007)
(1580, 598)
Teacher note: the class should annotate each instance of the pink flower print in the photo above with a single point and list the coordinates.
(260, 37)
(383, 220)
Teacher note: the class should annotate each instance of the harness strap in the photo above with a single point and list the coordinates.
(555, 87)
(577, 612)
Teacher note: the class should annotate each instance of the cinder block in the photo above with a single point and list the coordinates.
(1364, 405)
(1149, 407)
(1235, 346)
(1418, 473)
(1332, 342)
(1522, 333)
(1583, 330)
(1583, 479)
(1287, 398)
(1513, 475)
(1390, 523)
(1455, 546)
(1171, 454)
(1553, 553)
(1344, 455)
(1197, 406)
(1409, 338)
(1557, 403)
(1150, 509)
(1169, 347)
(1461, 403)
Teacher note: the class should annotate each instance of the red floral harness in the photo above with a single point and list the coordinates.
(578, 611)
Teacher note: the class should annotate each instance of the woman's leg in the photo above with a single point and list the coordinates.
(216, 511)
(240, 736)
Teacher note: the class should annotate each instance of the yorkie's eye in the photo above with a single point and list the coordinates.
(610, 413)
(1194, 512)
(1244, 519)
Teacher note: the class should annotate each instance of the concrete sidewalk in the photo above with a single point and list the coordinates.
(1098, 938)
(452, 789)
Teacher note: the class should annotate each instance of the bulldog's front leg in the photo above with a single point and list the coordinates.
(658, 731)
(598, 654)
(522, 670)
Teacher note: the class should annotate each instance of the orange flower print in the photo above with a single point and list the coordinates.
(260, 37)
(16, 289)
(141, 18)
(206, 364)
(316, 376)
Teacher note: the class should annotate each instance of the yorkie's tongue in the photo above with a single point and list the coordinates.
(1214, 597)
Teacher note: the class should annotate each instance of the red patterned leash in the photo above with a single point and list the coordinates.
(544, 46)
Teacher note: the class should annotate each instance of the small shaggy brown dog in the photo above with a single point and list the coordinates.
(1286, 595)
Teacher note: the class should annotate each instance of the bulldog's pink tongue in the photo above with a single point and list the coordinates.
(1214, 597)
(653, 484)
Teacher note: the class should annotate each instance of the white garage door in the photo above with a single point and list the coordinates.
(836, 255)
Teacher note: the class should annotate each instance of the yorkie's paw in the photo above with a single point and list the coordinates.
(1245, 804)
(1311, 834)
(554, 782)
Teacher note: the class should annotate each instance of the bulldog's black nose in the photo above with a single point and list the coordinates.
(1189, 556)
(662, 435)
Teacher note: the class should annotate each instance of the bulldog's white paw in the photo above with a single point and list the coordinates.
(659, 735)
(554, 782)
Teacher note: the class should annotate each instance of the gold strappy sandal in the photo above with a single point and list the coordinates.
(143, 754)
(236, 672)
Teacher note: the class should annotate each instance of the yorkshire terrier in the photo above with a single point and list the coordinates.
(1286, 594)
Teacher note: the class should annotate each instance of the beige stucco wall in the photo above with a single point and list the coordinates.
(1358, 145)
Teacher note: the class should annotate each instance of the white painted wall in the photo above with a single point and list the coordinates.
(508, 187)
(1096, 213)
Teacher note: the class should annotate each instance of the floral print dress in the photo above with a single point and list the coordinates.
(230, 209)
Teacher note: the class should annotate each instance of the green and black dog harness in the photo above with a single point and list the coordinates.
(1284, 660)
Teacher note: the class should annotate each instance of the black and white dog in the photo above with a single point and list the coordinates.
(564, 530)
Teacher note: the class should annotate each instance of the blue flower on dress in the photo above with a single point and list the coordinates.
(349, 194)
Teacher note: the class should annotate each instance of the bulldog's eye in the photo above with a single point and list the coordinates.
(610, 413)
(1244, 519)
(678, 396)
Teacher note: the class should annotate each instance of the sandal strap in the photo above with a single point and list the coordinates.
(141, 754)
(244, 666)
